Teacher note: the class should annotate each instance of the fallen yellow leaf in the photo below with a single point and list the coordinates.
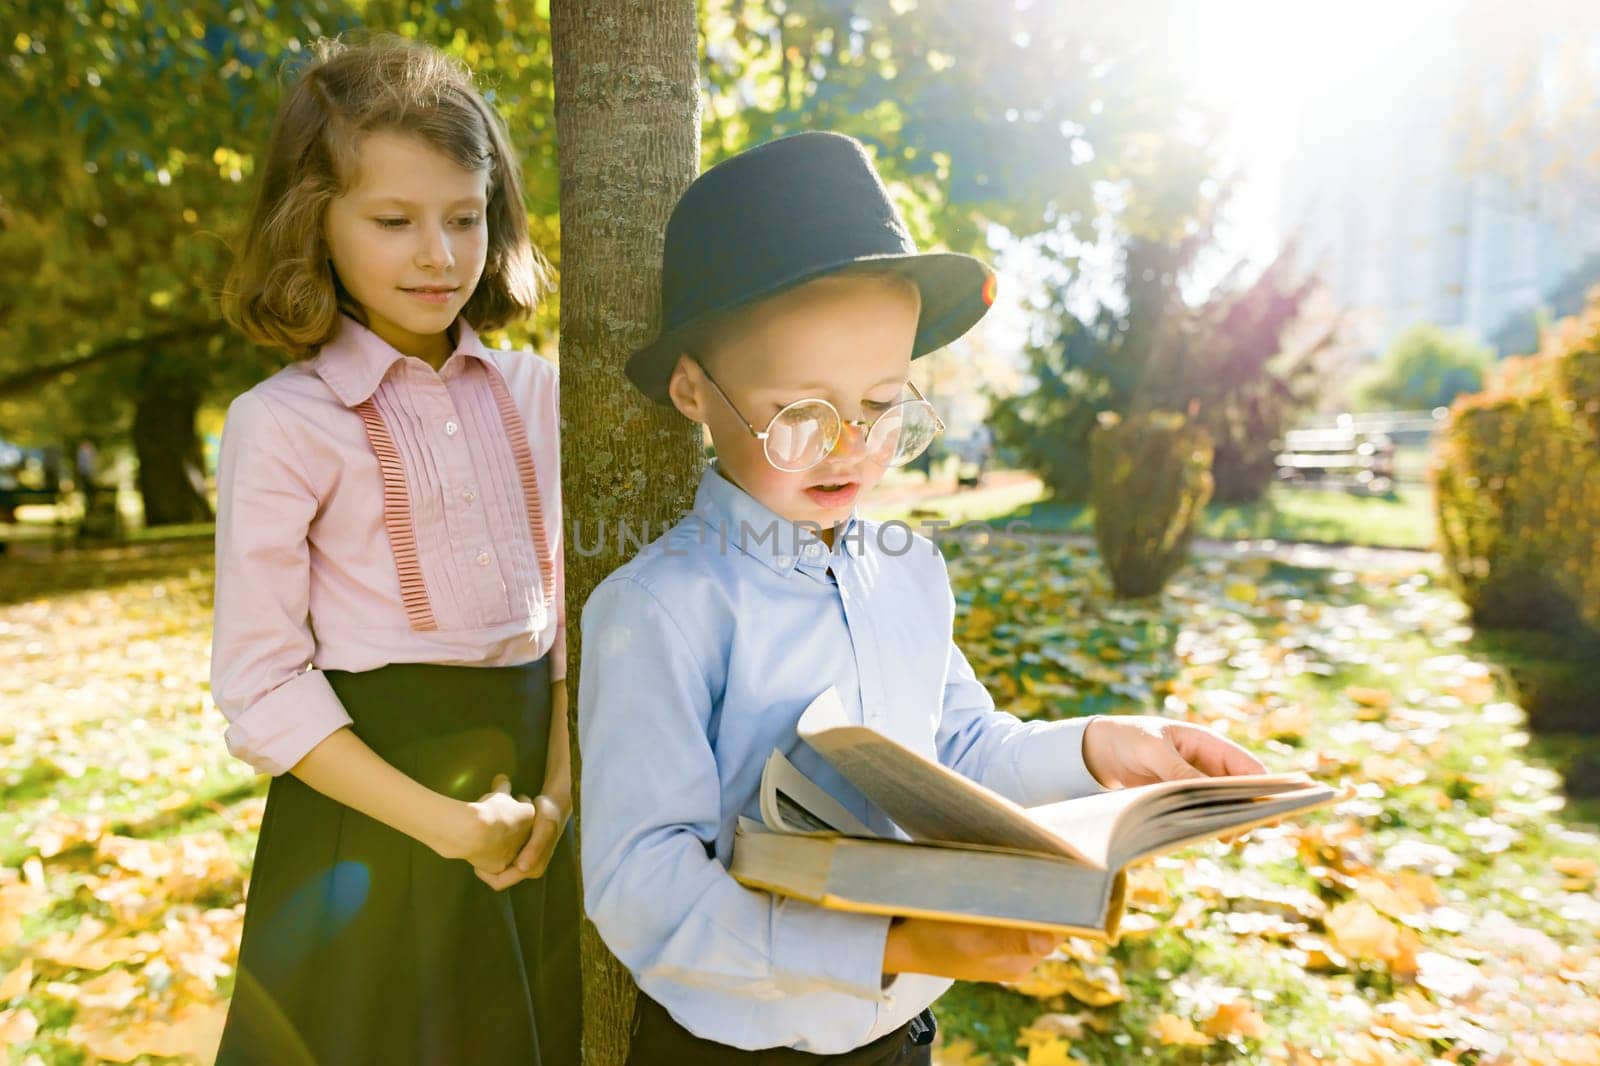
(1171, 1029)
(1358, 930)
(17, 1026)
(1097, 986)
(959, 1052)
(1238, 1018)
(17, 982)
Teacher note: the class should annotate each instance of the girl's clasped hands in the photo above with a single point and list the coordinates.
(513, 837)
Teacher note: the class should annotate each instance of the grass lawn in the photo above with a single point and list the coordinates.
(1397, 928)
(1286, 514)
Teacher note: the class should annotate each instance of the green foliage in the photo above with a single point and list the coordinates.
(1517, 477)
(132, 133)
(1151, 480)
(978, 113)
(1425, 367)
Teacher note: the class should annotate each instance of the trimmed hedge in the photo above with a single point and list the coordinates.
(1517, 486)
(1150, 480)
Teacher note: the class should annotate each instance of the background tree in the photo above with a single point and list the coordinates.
(1256, 357)
(1242, 360)
(1425, 367)
(627, 116)
(131, 132)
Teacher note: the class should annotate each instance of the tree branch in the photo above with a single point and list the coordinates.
(36, 377)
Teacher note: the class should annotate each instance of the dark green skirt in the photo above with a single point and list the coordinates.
(361, 945)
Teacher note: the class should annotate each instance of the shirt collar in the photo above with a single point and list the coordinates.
(741, 521)
(357, 360)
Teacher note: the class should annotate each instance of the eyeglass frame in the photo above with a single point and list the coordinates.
(860, 423)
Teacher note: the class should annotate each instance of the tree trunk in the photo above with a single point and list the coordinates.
(171, 463)
(628, 129)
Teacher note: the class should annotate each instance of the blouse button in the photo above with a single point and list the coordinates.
(450, 428)
(468, 495)
(483, 558)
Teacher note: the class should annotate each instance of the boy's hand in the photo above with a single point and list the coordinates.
(535, 855)
(964, 951)
(1122, 752)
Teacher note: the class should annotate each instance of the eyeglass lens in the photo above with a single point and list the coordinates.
(803, 434)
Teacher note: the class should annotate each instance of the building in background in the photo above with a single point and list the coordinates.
(1419, 187)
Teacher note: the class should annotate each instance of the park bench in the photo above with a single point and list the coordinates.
(1341, 457)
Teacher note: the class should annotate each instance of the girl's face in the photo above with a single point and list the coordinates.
(847, 341)
(409, 239)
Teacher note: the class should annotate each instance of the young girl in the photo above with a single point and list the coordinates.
(390, 638)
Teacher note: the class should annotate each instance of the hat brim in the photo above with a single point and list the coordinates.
(957, 291)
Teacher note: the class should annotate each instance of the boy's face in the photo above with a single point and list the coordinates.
(845, 339)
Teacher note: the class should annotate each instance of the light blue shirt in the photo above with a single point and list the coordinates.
(699, 655)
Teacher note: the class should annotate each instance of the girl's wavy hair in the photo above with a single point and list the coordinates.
(282, 290)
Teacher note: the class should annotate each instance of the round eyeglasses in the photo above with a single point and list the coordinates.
(804, 433)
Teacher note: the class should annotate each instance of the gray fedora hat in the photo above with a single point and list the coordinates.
(784, 213)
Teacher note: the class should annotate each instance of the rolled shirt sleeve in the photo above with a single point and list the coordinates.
(652, 808)
(277, 707)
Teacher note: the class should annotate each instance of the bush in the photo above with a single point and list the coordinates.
(1517, 486)
(1494, 482)
(1150, 479)
(1425, 367)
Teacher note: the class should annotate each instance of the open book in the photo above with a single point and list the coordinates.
(975, 855)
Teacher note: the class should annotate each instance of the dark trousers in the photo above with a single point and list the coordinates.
(660, 1041)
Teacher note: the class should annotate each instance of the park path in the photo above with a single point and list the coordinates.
(1308, 554)
(1305, 554)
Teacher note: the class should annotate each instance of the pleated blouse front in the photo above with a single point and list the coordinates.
(374, 511)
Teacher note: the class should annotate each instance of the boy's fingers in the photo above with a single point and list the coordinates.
(1170, 766)
(1215, 755)
(1236, 760)
(1041, 943)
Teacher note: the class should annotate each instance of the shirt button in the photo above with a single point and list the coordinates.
(483, 558)
(469, 495)
(450, 428)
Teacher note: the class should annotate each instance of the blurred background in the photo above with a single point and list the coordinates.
(1289, 401)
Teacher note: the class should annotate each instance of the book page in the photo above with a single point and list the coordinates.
(1098, 823)
(934, 804)
(793, 803)
(930, 802)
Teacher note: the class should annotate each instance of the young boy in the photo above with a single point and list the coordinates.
(793, 304)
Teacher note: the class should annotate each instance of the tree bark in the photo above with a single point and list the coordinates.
(627, 104)
(168, 445)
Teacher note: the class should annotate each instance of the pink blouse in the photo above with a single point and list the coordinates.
(373, 511)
